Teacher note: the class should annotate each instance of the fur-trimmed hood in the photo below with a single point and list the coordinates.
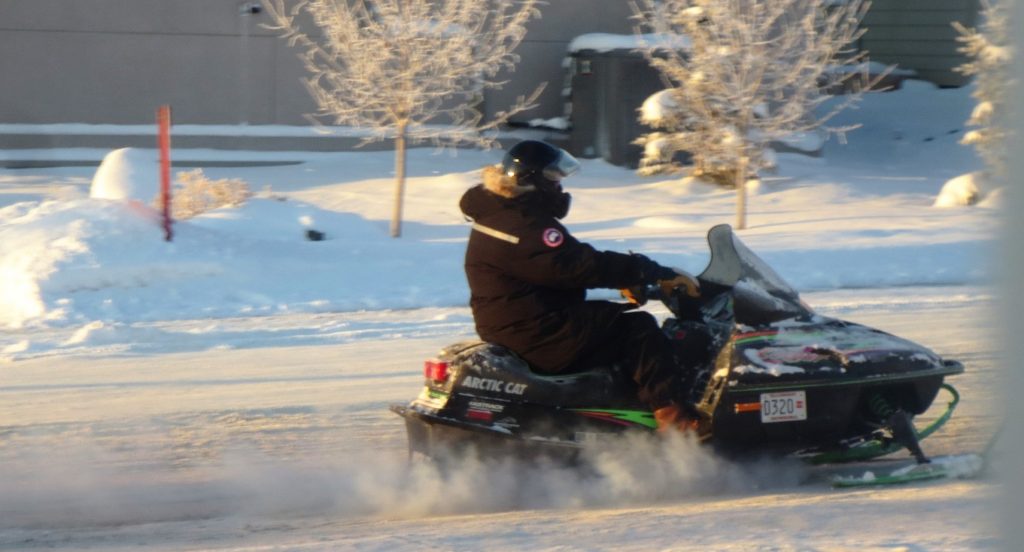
(498, 192)
(499, 183)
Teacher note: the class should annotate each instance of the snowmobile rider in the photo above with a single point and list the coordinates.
(528, 278)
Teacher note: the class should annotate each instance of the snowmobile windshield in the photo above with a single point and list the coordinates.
(760, 295)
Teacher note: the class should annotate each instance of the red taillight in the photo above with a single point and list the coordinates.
(435, 370)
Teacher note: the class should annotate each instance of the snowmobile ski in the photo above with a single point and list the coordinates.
(957, 466)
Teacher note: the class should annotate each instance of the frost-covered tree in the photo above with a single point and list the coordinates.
(753, 71)
(407, 70)
(991, 58)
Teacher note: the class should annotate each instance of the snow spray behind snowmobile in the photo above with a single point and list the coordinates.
(774, 377)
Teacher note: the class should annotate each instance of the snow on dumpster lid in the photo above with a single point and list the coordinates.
(606, 42)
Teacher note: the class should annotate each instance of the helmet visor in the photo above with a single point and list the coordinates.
(563, 166)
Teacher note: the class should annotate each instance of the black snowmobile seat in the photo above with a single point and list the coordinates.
(574, 388)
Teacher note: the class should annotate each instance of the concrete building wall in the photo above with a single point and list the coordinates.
(918, 35)
(114, 61)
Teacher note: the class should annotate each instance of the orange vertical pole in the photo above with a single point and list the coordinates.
(163, 119)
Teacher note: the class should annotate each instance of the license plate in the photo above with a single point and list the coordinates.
(788, 406)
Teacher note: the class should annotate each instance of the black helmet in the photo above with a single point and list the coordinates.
(531, 158)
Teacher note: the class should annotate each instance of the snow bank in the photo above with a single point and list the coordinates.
(57, 248)
(968, 189)
(127, 173)
(68, 263)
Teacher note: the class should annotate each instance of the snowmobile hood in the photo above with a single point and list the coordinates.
(826, 351)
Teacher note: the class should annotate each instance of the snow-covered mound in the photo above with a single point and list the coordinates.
(968, 189)
(94, 259)
(64, 247)
(127, 173)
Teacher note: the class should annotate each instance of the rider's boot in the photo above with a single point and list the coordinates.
(674, 418)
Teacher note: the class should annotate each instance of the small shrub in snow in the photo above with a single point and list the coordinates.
(195, 194)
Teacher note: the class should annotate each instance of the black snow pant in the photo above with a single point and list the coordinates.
(636, 342)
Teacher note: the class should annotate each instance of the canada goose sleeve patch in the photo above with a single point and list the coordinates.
(553, 237)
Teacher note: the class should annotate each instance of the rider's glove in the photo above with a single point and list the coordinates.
(650, 271)
(675, 278)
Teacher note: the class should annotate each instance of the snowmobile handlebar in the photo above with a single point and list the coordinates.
(682, 282)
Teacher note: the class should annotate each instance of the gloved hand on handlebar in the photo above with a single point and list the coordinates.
(675, 278)
(666, 278)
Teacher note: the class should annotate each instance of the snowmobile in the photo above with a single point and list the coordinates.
(773, 377)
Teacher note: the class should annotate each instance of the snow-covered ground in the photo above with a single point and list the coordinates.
(229, 389)
(274, 434)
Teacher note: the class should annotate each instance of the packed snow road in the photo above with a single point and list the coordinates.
(273, 433)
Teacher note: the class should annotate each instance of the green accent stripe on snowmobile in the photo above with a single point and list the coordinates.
(768, 335)
(875, 448)
(638, 417)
